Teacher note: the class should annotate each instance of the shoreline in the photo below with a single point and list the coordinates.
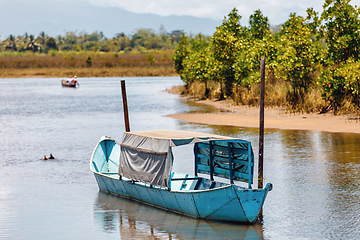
(248, 116)
(86, 72)
(276, 118)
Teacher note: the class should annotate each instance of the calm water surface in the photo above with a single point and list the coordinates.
(316, 175)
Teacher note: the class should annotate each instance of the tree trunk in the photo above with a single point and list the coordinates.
(207, 91)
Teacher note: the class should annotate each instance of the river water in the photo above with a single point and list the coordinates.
(316, 175)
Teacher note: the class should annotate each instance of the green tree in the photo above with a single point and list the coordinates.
(339, 25)
(181, 53)
(259, 43)
(40, 40)
(342, 83)
(198, 66)
(296, 61)
(121, 40)
(175, 35)
(10, 44)
(259, 25)
(224, 45)
(142, 37)
(50, 43)
(248, 59)
(70, 39)
(31, 44)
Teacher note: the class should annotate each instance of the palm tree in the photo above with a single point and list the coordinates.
(11, 44)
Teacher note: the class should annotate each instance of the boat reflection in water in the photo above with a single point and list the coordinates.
(138, 221)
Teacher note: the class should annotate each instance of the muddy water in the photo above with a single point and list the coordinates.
(315, 174)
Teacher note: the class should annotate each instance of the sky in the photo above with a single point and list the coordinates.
(277, 11)
(57, 16)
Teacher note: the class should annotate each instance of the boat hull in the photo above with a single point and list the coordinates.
(228, 203)
(65, 83)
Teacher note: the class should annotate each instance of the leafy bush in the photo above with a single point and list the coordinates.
(341, 83)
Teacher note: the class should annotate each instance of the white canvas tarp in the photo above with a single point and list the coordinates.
(147, 157)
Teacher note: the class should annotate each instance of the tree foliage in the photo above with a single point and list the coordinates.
(296, 59)
(321, 50)
(339, 26)
(224, 45)
(259, 25)
(142, 40)
(342, 83)
(260, 43)
(181, 53)
(50, 44)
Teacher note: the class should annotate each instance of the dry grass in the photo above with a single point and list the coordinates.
(197, 90)
(75, 61)
(277, 94)
(88, 72)
(98, 66)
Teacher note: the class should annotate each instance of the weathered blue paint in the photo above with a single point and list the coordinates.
(194, 197)
(232, 159)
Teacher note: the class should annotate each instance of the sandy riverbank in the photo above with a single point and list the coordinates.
(244, 116)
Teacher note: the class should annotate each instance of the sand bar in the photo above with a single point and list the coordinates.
(244, 116)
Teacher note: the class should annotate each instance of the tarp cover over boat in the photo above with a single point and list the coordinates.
(147, 157)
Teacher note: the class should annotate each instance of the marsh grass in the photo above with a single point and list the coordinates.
(197, 90)
(86, 64)
(277, 94)
(88, 72)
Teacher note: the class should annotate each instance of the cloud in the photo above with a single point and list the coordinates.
(277, 11)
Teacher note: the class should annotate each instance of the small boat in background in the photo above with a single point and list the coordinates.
(72, 82)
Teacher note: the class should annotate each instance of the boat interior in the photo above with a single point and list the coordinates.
(179, 181)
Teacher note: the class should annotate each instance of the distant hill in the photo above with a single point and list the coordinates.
(56, 18)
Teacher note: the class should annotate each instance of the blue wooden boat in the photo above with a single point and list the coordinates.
(140, 169)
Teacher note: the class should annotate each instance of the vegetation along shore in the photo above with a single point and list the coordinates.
(312, 62)
(87, 64)
(145, 53)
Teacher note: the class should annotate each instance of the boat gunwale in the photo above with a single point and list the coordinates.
(145, 185)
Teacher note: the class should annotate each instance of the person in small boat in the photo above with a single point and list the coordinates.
(70, 79)
(51, 156)
(74, 80)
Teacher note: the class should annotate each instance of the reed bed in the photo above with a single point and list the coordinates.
(277, 95)
(87, 72)
(90, 65)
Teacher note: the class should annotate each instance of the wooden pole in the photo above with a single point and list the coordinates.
(126, 113)
(261, 130)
